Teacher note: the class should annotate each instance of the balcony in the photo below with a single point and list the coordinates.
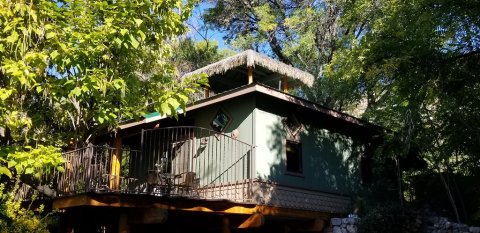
(175, 162)
(188, 162)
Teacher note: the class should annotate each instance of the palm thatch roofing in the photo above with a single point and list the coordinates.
(250, 58)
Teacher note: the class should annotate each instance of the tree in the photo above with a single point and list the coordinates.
(75, 69)
(190, 55)
(304, 34)
(80, 66)
(412, 64)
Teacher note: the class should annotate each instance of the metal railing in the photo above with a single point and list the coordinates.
(176, 161)
(90, 169)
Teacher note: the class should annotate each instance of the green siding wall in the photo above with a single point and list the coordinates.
(224, 160)
(330, 160)
(241, 112)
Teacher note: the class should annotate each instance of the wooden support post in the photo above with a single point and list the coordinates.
(116, 163)
(225, 225)
(207, 92)
(285, 84)
(250, 75)
(256, 220)
(123, 226)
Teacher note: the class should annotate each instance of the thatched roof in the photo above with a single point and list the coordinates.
(250, 58)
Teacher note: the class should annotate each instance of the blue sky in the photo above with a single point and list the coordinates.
(195, 23)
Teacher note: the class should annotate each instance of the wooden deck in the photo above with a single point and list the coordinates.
(126, 212)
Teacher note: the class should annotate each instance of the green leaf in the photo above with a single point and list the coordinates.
(141, 34)
(173, 102)
(138, 22)
(77, 91)
(85, 89)
(5, 171)
(134, 41)
(11, 163)
(183, 98)
(166, 109)
(50, 35)
(54, 54)
(29, 170)
(123, 31)
(13, 37)
(18, 168)
(118, 41)
(4, 93)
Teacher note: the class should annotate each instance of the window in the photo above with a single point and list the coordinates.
(294, 156)
(220, 121)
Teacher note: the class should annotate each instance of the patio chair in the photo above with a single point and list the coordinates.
(189, 185)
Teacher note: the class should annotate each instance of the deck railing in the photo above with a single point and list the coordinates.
(176, 161)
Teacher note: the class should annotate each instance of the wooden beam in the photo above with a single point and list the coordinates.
(148, 216)
(256, 220)
(285, 84)
(189, 205)
(116, 163)
(250, 75)
(225, 225)
(123, 226)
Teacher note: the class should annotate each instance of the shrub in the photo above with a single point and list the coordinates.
(390, 218)
(14, 218)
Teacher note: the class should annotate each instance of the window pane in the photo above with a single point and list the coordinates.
(294, 156)
(220, 121)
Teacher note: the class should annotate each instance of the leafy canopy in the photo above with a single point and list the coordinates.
(71, 68)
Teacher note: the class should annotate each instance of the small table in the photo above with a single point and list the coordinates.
(162, 179)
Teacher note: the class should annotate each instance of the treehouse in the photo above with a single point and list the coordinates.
(248, 154)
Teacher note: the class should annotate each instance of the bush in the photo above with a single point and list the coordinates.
(390, 218)
(16, 219)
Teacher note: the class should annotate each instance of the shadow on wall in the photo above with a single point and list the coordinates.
(330, 162)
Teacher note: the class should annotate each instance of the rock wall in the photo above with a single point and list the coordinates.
(343, 225)
(443, 225)
(428, 225)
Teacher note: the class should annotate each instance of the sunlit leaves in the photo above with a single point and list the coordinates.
(267, 18)
(32, 161)
(73, 70)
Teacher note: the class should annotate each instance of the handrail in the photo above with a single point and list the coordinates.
(196, 127)
(208, 157)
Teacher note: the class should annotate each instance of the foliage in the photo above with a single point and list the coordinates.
(190, 55)
(15, 218)
(30, 161)
(389, 218)
(304, 34)
(36, 163)
(409, 66)
(79, 66)
(414, 65)
(74, 69)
